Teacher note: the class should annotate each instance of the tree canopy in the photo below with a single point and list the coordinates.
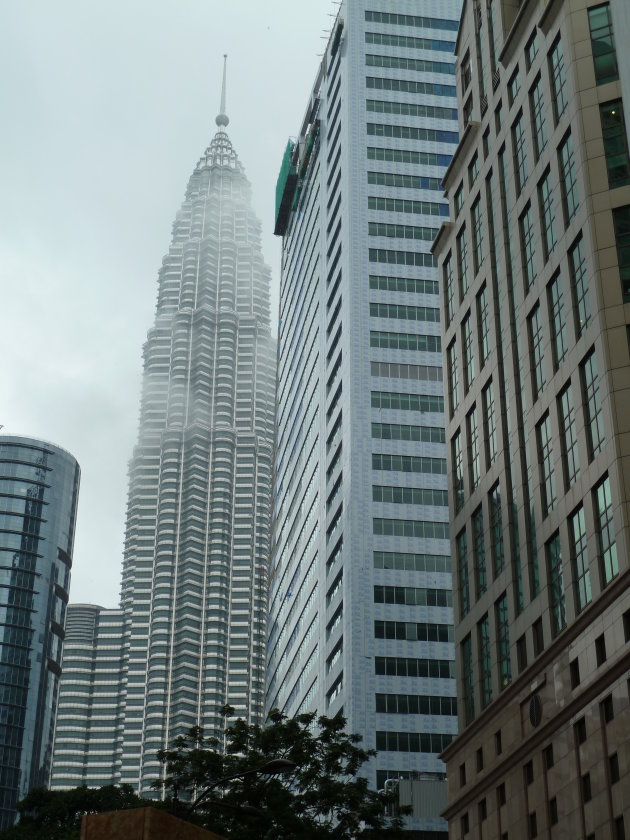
(56, 814)
(323, 797)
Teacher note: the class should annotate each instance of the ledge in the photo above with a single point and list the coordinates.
(469, 131)
(438, 242)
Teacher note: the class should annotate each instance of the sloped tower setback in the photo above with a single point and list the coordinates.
(194, 582)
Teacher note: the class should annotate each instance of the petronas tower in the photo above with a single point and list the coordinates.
(194, 582)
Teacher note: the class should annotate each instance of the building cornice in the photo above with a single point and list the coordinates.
(584, 620)
(469, 132)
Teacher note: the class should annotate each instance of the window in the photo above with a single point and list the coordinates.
(483, 810)
(553, 811)
(477, 234)
(498, 117)
(556, 585)
(465, 73)
(579, 285)
(579, 728)
(479, 759)
(453, 376)
(473, 170)
(483, 630)
(479, 552)
(457, 455)
(469, 355)
(568, 178)
(547, 213)
(586, 787)
(503, 642)
(520, 151)
(537, 635)
(459, 199)
(600, 650)
(449, 288)
(608, 711)
(592, 404)
(533, 826)
(539, 376)
(501, 797)
(621, 220)
(613, 767)
(490, 423)
(548, 756)
(469, 698)
(521, 653)
(462, 775)
(528, 247)
(608, 561)
(558, 79)
(537, 104)
(545, 461)
(496, 530)
(620, 831)
(473, 448)
(558, 322)
(528, 772)
(531, 49)
(579, 555)
(514, 85)
(464, 823)
(603, 44)
(483, 325)
(462, 261)
(498, 747)
(462, 566)
(615, 143)
(568, 436)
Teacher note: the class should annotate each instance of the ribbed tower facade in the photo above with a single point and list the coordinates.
(194, 583)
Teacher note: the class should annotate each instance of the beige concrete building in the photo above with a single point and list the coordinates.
(535, 272)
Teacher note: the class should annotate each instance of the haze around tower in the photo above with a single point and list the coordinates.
(108, 106)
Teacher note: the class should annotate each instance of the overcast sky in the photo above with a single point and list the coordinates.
(105, 108)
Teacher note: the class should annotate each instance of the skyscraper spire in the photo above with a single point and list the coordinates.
(222, 118)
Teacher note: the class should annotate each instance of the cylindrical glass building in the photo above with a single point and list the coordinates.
(39, 489)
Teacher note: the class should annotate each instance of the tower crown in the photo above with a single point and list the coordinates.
(222, 119)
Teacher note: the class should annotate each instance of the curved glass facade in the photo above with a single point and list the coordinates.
(39, 488)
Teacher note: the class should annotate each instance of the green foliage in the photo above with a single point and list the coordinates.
(322, 798)
(56, 815)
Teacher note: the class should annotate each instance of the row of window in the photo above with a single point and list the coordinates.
(401, 205)
(412, 631)
(410, 496)
(401, 341)
(404, 666)
(410, 528)
(410, 109)
(412, 596)
(402, 370)
(410, 562)
(425, 403)
(409, 463)
(412, 704)
(412, 742)
(392, 431)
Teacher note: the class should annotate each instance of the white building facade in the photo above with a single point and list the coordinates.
(361, 615)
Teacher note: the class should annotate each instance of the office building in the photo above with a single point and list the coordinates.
(535, 281)
(39, 490)
(90, 708)
(360, 589)
(194, 580)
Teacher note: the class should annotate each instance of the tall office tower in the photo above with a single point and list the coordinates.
(360, 592)
(535, 272)
(39, 490)
(194, 582)
(90, 708)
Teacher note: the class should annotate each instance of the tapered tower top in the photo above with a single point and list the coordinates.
(222, 118)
